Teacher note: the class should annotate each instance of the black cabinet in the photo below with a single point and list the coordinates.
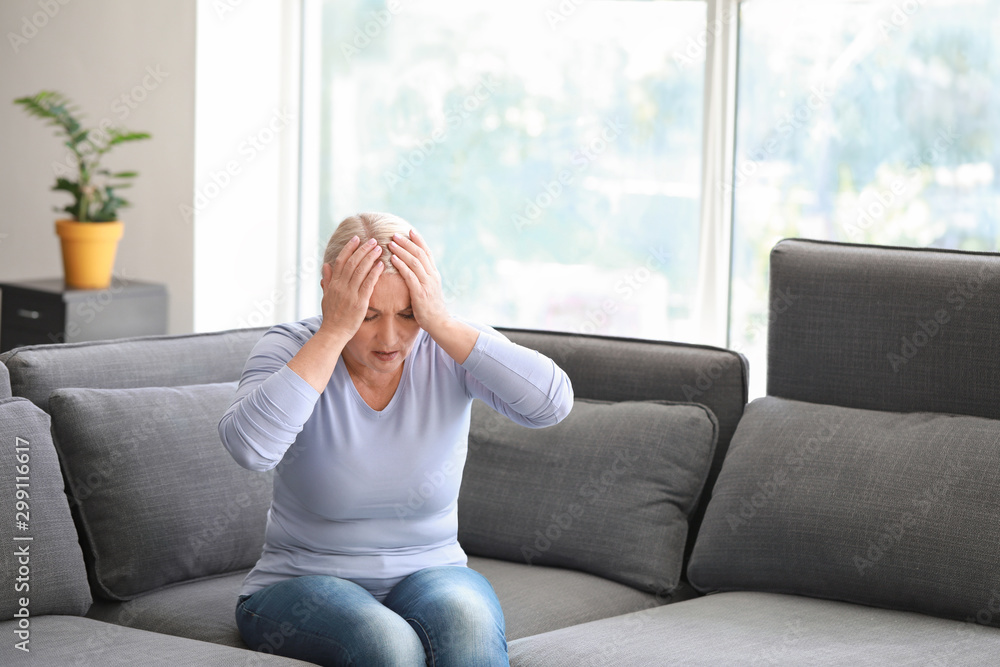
(37, 312)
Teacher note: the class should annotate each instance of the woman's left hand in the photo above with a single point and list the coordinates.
(412, 258)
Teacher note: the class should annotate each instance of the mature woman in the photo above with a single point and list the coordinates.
(356, 410)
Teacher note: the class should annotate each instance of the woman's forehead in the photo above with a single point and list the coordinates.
(390, 294)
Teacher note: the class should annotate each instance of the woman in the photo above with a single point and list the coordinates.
(357, 410)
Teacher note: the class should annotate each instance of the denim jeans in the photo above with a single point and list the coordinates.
(440, 616)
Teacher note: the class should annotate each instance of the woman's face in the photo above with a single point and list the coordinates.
(388, 332)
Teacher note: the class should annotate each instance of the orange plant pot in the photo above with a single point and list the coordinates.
(88, 251)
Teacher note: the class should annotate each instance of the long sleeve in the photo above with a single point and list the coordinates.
(518, 382)
(272, 403)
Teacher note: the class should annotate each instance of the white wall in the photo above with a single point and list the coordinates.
(215, 82)
(96, 52)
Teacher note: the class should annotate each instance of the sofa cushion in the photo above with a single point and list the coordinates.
(160, 499)
(4, 382)
(536, 598)
(762, 629)
(894, 510)
(48, 568)
(84, 642)
(880, 328)
(203, 609)
(606, 491)
(147, 361)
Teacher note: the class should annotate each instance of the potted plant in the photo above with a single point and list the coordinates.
(91, 232)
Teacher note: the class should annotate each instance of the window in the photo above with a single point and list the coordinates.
(551, 156)
(865, 122)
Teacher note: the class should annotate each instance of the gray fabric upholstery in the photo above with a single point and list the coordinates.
(606, 491)
(534, 599)
(893, 329)
(887, 509)
(160, 499)
(4, 382)
(48, 569)
(204, 609)
(149, 361)
(622, 369)
(61, 641)
(538, 599)
(762, 629)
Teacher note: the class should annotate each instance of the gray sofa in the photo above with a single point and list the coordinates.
(849, 517)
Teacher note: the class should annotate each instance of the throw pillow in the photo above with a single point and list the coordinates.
(606, 491)
(886, 509)
(160, 498)
(41, 565)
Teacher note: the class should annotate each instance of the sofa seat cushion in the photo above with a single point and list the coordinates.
(41, 563)
(746, 628)
(537, 599)
(534, 599)
(894, 510)
(204, 610)
(76, 640)
(606, 491)
(160, 499)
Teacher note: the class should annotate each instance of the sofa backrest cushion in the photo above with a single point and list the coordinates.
(4, 382)
(608, 368)
(149, 361)
(607, 491)
(893, 510)
(41, 560)
(896, 329)
(160, 499)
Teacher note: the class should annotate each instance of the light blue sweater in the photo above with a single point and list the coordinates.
(368, 495)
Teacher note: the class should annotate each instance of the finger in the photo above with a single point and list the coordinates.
(409, 277)
(368, 284)
(422, 244)
(407, 255)
(367, 257)
(344, 255)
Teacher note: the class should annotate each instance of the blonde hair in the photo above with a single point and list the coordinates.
(370, 225)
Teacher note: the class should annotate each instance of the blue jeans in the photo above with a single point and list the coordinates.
(440, 616)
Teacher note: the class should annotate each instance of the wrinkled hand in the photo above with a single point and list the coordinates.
(412, 258)
(347, 286)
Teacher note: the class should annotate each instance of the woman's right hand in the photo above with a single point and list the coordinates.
(347, 286)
